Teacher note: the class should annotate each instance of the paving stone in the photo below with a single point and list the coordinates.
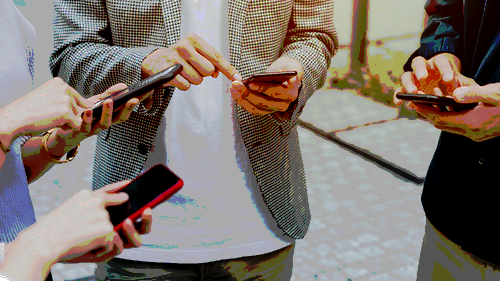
(393, 244)
(372, 251)
(367, 238)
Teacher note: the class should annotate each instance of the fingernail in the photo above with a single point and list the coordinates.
(238, 87)
(253, 87)
(420, 74)
(459, 96)
(412, 89)
(447, 76)
(238, 77)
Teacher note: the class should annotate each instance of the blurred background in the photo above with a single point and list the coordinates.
(365, 159)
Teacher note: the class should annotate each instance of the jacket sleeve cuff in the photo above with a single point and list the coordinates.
(433, 48)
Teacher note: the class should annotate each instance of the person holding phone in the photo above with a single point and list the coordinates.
(78, 230)
(26, 155)
(235, 145)
(459, 57)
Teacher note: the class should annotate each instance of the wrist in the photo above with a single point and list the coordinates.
(8, 130)
(58, 145)
(26, 249)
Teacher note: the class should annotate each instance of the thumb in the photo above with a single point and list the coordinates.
(113, 89)
(114, 187)
(115, 199)
(471, 94)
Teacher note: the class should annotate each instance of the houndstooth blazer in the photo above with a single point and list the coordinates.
(101, 43)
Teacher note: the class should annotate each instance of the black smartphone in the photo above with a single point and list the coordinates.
(271, 77)
(148, 190)
(431, 99)
(120, 98)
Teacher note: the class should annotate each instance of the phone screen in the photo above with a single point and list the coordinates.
(142, 191)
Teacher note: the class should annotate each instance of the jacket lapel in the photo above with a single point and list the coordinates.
(172, 19)
(236, 19)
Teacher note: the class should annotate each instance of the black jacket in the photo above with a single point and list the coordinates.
(461, 196)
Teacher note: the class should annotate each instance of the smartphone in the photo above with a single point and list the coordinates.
(120, 98)
(431, 99)
(271, 77)
(148, 190)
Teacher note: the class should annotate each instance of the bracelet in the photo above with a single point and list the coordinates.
(53, 159)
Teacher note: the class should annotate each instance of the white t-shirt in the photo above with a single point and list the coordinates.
(219, 213)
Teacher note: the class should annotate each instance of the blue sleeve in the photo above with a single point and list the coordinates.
(444, 32)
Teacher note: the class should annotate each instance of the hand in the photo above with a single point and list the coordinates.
(440, 71)
(438, 76)
(81, 224)
(265, 98)
(478, 124)
(72, 137)
(198, 58)
(132, 240)
(54, 104)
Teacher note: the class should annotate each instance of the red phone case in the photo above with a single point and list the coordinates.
(157, 201)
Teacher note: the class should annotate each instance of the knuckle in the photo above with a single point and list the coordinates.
(178, 49)
(108, 227)
(193, 37)
(83, 192)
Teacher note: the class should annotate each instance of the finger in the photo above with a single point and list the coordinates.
(130, 233)
(115, 199)
(87, 122)
(265, 103)
(199, 63)
(438, 92)
(118, 245)
(189, 72)
(79, 100)
(238, 90)
(147, 221)
(107, 113)
(73, 122)
(125, 112)
(252, 108)
(397, 101)
(444, 67)
(148, 94)
(443, 120)
(215, 74)
(489, 94)
(114, 187)
(112, 90)
(408, 81)
(419, 66)
(273, 90)
(215, 58)
(106, 256)
(180, 83)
